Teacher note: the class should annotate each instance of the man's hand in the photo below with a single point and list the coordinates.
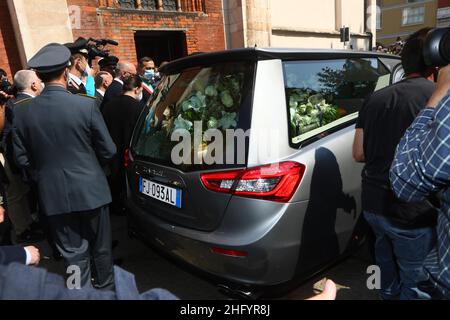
(329, 292)
(35, 255)
(443, 86)
(2, 214)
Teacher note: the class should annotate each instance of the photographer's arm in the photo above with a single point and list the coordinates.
(422, 162)
(358, 146)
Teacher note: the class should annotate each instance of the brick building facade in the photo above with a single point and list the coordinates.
(165, 32)
(162, 29)
(9, 54)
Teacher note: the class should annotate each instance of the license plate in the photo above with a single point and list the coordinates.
(160, 192)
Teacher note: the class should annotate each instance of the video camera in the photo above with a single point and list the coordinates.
(97, 48)
(4, 97)
(437, 47)
(93, 48)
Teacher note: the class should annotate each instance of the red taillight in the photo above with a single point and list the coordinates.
(231, 253)
(276, 182)
(127, 158)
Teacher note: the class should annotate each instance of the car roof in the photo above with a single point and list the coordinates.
(257, 54)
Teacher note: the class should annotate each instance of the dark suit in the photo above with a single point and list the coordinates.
(98, 99)
(120, 116)
(12, 254)
(114, 90)
(62, 141)
(19, 282)
(17, 192)
(7, 137)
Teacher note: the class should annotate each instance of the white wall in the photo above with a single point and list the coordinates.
(38, 23)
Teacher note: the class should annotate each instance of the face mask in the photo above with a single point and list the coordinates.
(149, 74)
(87, 71)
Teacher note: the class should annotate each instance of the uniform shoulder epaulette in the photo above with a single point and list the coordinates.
(85, 95)
(22, 101)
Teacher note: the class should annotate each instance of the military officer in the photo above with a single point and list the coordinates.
(79, 70)
(62, 141)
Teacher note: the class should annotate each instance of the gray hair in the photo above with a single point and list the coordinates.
(23, 79)
(125, 66)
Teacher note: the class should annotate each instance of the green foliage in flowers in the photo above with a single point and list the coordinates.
(227, 99)
(213, 123)
(211, 91)
(228, 120)
(181, 123)
(215, 102)
(309, 111)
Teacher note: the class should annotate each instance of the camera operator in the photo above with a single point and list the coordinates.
(422, 167)
(109, 64)
(5, 85)
(404, 232)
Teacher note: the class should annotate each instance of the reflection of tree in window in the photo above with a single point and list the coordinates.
(356, 79)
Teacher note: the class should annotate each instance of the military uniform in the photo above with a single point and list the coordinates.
(62, 141)
(75, 85)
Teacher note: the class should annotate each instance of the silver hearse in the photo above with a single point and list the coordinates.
(285, 202)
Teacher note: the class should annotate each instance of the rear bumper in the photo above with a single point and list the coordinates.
(272, 244)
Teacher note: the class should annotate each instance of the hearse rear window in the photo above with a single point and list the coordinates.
(323, 94)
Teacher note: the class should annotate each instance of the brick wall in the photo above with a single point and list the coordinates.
(9, 54)
(443, 3)
(204, 32)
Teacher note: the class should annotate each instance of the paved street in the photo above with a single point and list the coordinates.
(154, 271)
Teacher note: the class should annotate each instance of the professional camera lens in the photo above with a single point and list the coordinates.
(437, 47)
(445, 47)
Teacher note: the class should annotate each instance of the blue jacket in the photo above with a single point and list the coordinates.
(10, 254)
(18, 282)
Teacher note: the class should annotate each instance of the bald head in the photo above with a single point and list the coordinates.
(27, 81)
(125, 69)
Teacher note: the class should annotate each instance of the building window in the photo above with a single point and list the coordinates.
(379, 15)
(170, 5)
(127, 4)
(148, 4)
(413, 16)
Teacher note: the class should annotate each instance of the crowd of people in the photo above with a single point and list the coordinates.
(66, 127)
(395, 48)
(402, 138)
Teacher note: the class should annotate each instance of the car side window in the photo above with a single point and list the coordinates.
(322, 94)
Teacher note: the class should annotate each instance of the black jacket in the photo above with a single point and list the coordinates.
(7, 144)
(98, 99)
(114, 90)
(62, 141)
(121, 115)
